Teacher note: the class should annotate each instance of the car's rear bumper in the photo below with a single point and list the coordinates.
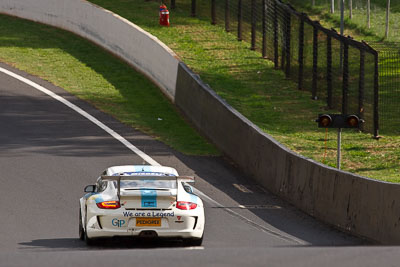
(176, 224)
(97, 233)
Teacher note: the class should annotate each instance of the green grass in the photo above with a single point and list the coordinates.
(389, 92)
(262, 94)
(90, 73)
(357, 25)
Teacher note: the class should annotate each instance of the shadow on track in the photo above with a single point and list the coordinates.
(221, 175)
(112, 243)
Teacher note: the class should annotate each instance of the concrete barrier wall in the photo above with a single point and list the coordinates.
(106, 29)
(355, 204)
(352, 203)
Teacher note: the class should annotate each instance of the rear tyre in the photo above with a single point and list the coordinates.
(89, 241)
(81, 230)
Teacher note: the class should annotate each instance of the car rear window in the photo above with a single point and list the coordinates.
(143, 183)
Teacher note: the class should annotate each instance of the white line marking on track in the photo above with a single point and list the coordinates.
(242, 188)
(252, 223)
(138, 152)
(125, 142)
(194, 248)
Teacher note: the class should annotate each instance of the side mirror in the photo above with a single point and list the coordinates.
(90, 188)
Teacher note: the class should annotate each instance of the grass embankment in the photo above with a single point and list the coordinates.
(90, 73)
(357, 25)
(389, 68)
(262, 94)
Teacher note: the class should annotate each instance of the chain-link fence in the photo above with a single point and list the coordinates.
(389, 86)
(336, 69)
(364, 14)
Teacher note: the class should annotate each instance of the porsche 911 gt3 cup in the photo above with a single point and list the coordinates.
(145, 201)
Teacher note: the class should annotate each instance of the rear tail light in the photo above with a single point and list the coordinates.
(108, 205)
(182, 205)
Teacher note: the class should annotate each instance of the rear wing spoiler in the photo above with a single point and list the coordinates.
(184, 179)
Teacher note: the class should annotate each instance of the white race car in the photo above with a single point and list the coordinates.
(144, 201)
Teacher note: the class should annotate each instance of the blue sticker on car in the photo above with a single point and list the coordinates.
(193, 198)
(149, 198)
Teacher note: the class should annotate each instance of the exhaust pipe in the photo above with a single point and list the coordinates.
(148, 234)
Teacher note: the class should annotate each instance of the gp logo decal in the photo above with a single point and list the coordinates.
(118, 223)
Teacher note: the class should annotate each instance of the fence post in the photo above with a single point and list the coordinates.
(173, 6)
(283, 40)
(276, 56)
(315, 63)
(301, 53)
(345, 86)
(287, 42)
(239, 36)
(213, 13)
(329, 70)
(253, 25)
(361, 84)
(193, 14)
(264, 29)
(227, 28)
(376, 97)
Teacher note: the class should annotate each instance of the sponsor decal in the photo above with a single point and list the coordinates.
(179, 217)
(193, 198)
(117, 222)
(153, 214)
(148, 222)
(96, 197)
(149, 198)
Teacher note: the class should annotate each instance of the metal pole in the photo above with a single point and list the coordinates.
(376, 96)
(276, 51)
(264, 29)
(341, 31)
(361, 86)
(253, 25)
(387, 19)
(350, 9)
(369, 14)
(339, 144)
(239, 20)
(345, 85)
(315, 64)
(193, 9)
(213, 13)
(227, 16)
(288, 40)
(301, 53)
(341, 17)
(329, 69)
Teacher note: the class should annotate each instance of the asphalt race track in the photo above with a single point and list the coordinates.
(49, 153)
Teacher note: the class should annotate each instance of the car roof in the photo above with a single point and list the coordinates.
(140, 169)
